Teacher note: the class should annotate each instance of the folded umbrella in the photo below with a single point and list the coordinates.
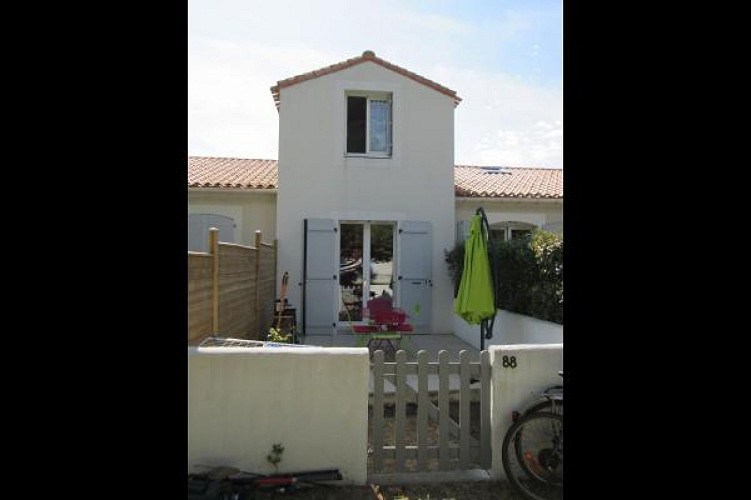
(475, 300)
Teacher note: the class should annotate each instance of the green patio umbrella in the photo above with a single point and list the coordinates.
(475, 301)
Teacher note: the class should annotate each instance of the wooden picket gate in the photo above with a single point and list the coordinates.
(447, 426)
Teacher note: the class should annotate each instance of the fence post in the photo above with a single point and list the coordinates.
(257, 308)
(214, 251)
(443, 409)
(276, 291)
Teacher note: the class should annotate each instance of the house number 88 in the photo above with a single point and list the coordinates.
(509, 361)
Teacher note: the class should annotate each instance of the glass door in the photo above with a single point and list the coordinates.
(351, 280)
(381, 260)
(366, 266)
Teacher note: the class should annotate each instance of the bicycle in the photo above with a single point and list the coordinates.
(532, 452)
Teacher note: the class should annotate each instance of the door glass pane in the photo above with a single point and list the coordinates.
(351, 272)
(379, 121)
(381, 260)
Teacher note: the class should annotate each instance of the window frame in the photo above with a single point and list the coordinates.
(387, 96)
(508, 228)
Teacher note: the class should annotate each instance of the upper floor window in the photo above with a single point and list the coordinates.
(369, 123)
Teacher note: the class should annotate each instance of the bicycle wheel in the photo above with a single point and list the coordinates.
(532, 455)
(546, 406)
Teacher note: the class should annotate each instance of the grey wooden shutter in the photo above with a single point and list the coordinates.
(320, 280)
(415, 275)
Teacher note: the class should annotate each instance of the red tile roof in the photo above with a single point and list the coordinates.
(469, 181)
(237, 173)
(507, 182)
(366, 56)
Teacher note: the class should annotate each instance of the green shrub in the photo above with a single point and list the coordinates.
(529, 274)
(277, 335)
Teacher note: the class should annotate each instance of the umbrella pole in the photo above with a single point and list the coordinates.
(486, 326)
(482, 334)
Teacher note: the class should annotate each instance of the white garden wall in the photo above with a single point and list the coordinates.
(312, 400)
(510, 328)
(514, 386)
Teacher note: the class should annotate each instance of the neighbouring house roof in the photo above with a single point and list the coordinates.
(237, 173)
(469, 181)
(367, 56)
(507, 182)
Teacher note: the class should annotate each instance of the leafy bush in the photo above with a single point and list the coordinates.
(529, 274)
(277, 335)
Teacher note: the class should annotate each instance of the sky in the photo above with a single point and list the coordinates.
(504, 58)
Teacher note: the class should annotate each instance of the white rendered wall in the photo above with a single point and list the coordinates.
(251, 211)
(317, 179)
(537, 212)
(512, 389)
(312, 400)
(511, 328)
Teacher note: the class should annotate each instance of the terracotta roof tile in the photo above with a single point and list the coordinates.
(469, 181)
(237, 173)
(508, 182)
(366, 56)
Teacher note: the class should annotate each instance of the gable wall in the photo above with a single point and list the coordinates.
(316, 179)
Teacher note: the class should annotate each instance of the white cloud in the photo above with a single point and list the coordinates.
(509, 139)
(231, 111)
(543, 125)
(512, 24)
(552, 134)
(514, 120)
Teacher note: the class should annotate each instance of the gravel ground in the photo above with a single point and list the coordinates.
(410, 434)
(471, 490)
(454, 490)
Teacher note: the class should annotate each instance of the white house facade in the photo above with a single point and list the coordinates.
(365, 197)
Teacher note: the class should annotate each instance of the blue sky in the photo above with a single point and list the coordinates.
(504, 58)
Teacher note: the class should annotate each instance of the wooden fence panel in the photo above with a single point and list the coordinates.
(199, 296)
(237, 291)
(245, 285)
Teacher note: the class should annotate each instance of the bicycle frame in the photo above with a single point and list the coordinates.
(551, 399)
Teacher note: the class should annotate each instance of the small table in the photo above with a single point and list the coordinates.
(378, 335)
(392, 341)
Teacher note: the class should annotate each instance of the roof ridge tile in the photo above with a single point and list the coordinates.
(367, 56)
